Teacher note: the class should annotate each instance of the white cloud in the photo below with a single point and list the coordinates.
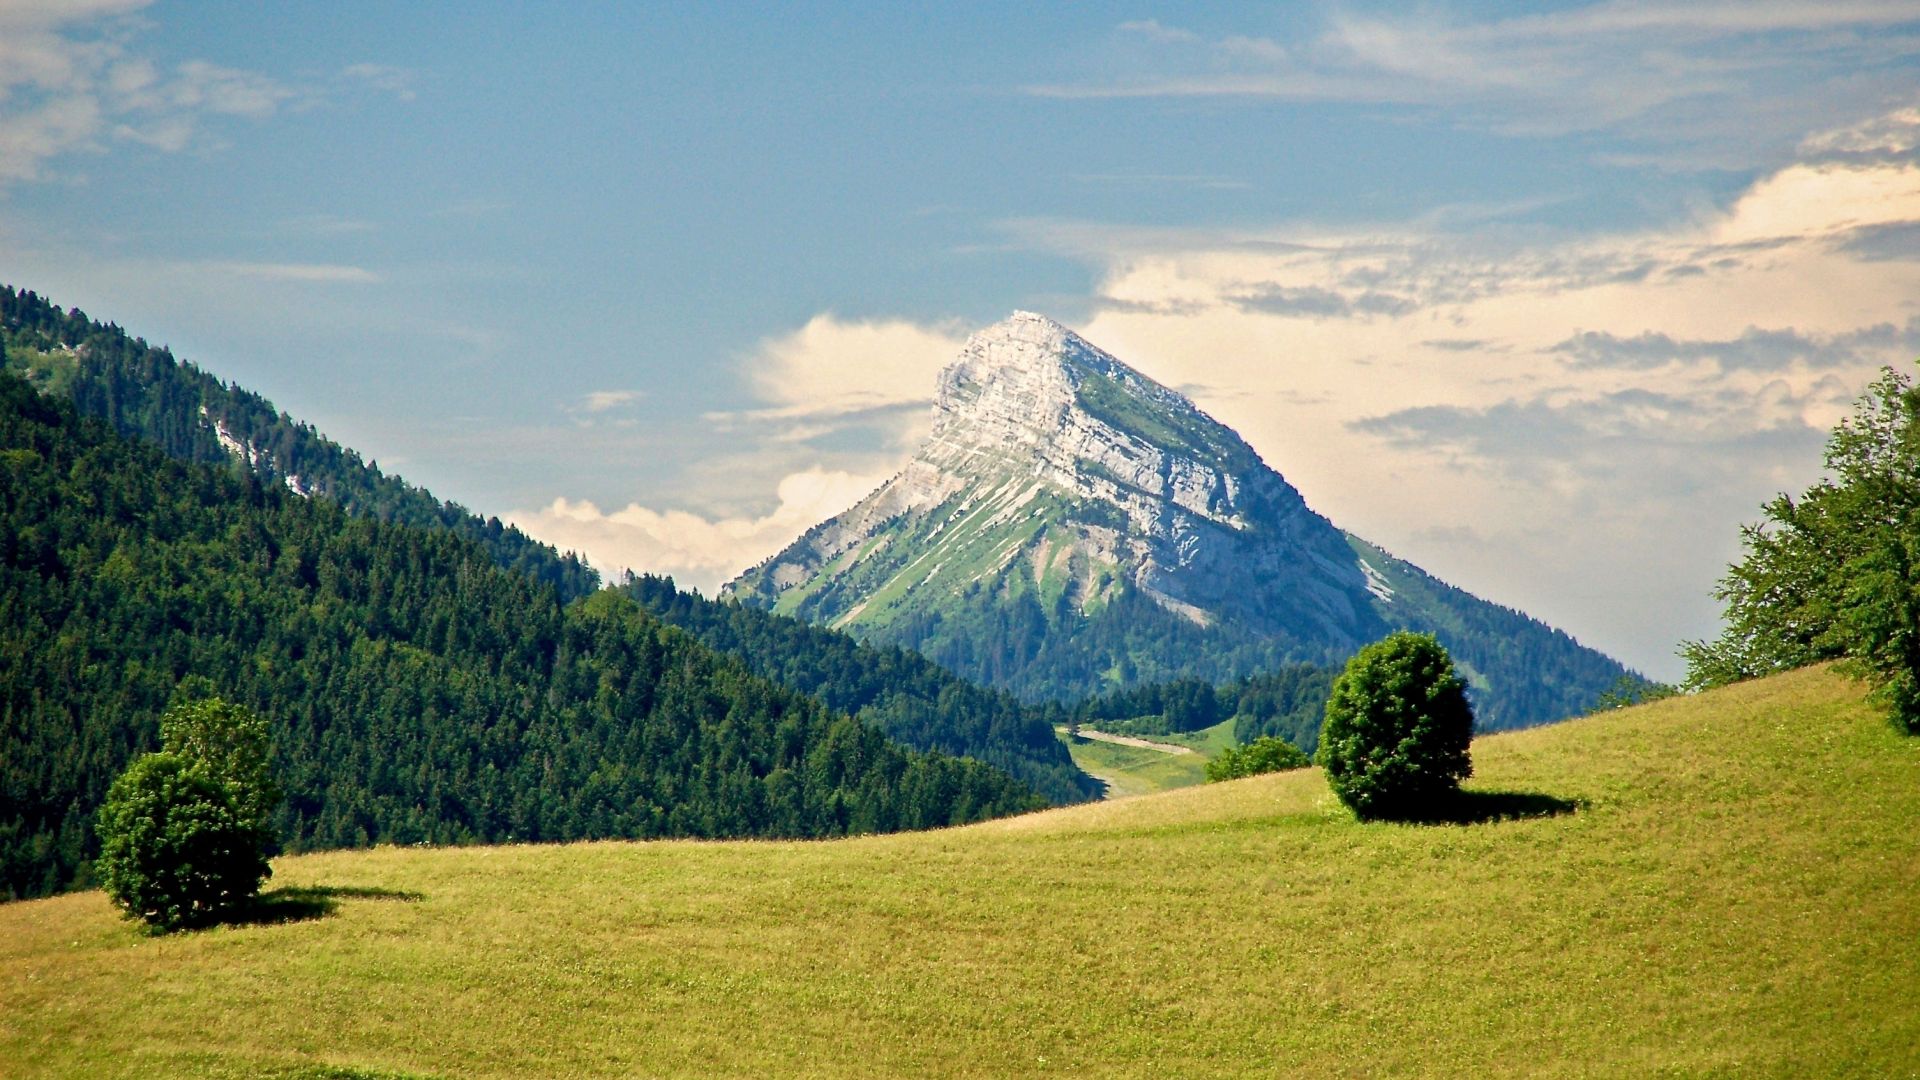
(390, 80)
(315, 273)
(832, 369)
(599, 401)
(1574, 426)
(865, 382)
(696, 551)
(71, 85)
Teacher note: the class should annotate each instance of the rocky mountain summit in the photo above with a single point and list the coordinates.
(1071, 525)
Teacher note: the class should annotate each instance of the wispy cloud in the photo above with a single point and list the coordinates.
(599, 401)
(1752, 349)
(1198, 181)
(73, 84)
(1784, 66)
(315, 273)
(395, 81)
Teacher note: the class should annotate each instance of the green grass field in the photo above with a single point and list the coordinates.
(1735, 895)
(1135, 770)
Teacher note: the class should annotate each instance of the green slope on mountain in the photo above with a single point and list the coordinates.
(418, 692)
(1730, 895)
(145, 392)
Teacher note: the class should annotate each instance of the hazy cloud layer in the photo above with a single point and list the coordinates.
(1754, 349)
(1572, 425)
(1583, 421)
(697, 551)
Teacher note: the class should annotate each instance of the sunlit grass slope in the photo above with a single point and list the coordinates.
(1135, 770)
(1736, 895)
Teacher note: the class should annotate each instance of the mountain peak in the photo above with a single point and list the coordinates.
(1037, 431)
(1070, 524)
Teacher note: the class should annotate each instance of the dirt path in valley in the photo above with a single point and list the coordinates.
(1129, 740)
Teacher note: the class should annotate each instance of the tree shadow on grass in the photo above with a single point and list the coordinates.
(1482, 807)
(299, 903)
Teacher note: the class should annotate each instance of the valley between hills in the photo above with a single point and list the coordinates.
(986, 541)
(1713, 885)
(538, 826)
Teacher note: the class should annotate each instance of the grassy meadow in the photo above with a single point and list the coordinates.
(1139, 770)
(1728, 887)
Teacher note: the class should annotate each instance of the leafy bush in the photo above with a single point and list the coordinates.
(1267, 754)
(185, 833)
(1398, 726)
(176, 848)
(1836, 573)
(233, 746)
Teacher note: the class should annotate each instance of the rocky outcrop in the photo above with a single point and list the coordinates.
(1142, 487)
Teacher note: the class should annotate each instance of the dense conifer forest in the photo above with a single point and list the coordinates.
(419, 693)
(1289, 703)
(909, 697)
(145, 392)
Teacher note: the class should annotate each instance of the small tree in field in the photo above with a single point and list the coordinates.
(1398, 725)
(185, 833)
(174, 849)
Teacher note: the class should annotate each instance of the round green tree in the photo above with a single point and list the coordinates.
(232, 745)
(176, 848)
(1398, 726)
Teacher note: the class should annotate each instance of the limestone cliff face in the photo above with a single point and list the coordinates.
(1051, 460)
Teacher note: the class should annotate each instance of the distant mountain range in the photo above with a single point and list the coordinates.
(1071, 526)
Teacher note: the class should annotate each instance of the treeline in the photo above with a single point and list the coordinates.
(144, 392)
(1287, 704)
(1041, 653)
(904, 694)
(418, 692)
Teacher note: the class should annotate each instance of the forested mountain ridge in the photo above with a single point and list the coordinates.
(146, 392)
(906, 695)
(418, 691)
(1071, 527)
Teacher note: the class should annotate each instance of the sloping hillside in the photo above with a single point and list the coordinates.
(912, 699)
(417, 692)
(1733, 894)
(146, 393)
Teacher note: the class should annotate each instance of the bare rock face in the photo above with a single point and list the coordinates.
(1051, 459)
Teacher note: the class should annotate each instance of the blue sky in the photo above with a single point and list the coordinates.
(1546, 299)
